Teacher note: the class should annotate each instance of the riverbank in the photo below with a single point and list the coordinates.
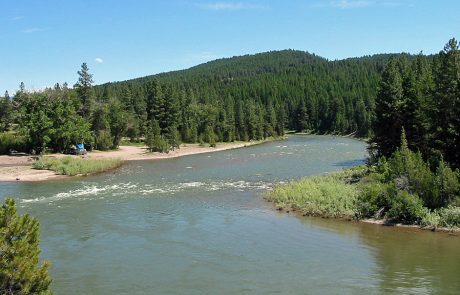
(350, 135)
(19, 168)
(356, 195)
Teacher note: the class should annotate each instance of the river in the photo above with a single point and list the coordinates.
(199, 225)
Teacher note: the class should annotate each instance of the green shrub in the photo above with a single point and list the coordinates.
(407, 208)
(158, 144)
(12, 141)
(411, 173)
(385, 200)
(432, 218)
(103, 141)
(374, 199)
(449, 217)
(448, 185)
(445, 217)
(327, 196)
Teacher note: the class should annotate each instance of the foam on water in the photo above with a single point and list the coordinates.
(94, 191)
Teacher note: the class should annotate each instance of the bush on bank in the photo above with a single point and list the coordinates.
(401, 189)
(76, 166)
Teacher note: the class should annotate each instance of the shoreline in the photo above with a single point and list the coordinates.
(351, 135)
(338, 196)
(19, 168)
(376, 222)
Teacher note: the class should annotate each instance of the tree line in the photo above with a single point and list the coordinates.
(416, 141)
(263, 94)
(241, 98)
(421, 96)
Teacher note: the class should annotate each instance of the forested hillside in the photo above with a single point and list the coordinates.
(413, 176)
(239, 98)
(259, 95)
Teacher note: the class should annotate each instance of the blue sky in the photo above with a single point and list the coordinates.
(46, 41)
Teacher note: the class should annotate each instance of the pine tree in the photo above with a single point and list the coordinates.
(338, 116)
(173, 137)
(251, 118)
(362, 119)
(210, 136)
(118, 122)
(5, 112)
(280, 121)
(412, 108)
(388, 117)
(155, 101)
(19, 253)
(270, 122)
(154, 140)
(303, 121)
(170, 115)
(84, 90)
(101, 128)
(446, 121)
(229, 135)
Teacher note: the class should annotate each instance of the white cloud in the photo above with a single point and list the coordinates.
(350, 4)
(391, 4)
(32, 30)
(98, 60)
(15, 18)
(346, 4)
(219, 6)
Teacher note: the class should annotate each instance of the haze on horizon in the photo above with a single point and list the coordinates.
(46, 41)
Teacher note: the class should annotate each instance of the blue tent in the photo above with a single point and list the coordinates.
(80, 146)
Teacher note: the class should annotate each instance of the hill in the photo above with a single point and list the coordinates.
(284, 89)
(249, 97)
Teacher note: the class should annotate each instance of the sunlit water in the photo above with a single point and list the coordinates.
(199, 225)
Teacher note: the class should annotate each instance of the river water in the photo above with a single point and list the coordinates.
(199, 225)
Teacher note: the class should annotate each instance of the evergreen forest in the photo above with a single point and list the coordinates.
(250, 97)
(412, 176)
(241, 98)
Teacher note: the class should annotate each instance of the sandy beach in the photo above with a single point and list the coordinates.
(19, 168)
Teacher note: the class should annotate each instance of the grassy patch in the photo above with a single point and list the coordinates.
(444, 217)
(76, 166)
(332, 195)
(359, 193)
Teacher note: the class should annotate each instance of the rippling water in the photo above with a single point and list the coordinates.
(199, 225)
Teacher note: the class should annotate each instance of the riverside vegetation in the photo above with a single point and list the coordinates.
(76, 166)
(409, 179)
(401, 189)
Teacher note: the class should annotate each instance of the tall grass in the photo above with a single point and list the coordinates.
(76, 166)
(356, 193)
(328, 196)
(445, 217)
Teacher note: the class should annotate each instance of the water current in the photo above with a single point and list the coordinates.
(199, 225)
